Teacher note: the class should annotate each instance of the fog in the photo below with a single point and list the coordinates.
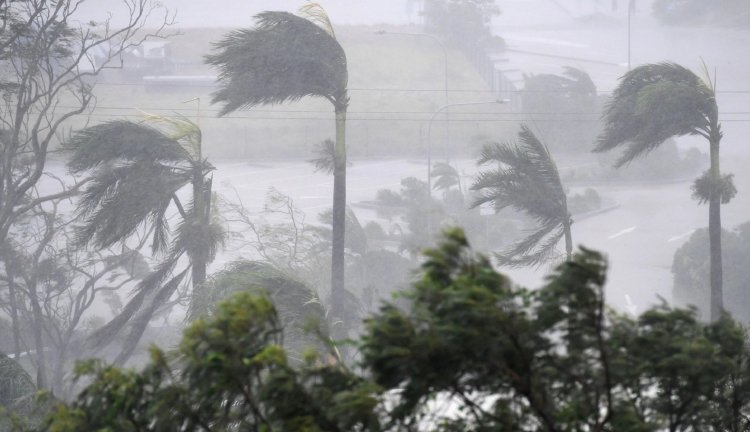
(421, 99)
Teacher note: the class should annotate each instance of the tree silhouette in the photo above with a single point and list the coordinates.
(654, 102)
(285, 58)
(136, 173)
(527, 180)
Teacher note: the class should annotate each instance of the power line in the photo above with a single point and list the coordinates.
(323, 111)
(384, 89)
(392, 119)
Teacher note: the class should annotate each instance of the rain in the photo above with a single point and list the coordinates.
(370, 215)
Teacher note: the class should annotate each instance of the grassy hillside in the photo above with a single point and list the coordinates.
(396, 83)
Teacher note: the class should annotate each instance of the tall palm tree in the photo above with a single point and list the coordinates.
(136, 172)
(527, 180)
(654, 102)
(285, 58)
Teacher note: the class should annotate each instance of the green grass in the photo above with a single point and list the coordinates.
(396, 83)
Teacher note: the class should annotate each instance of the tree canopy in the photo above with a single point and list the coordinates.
(470, 352)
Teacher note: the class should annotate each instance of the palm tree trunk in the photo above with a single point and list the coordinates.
(568, 239)
(201, 209)
(714, 229)
(339, 216)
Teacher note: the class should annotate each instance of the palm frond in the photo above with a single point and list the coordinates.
(652, 103)
(326, 157)
(182, 130)
(527, 179)
(283, 58)
(315, 13)
(140, 321)
(120, 199)
(106, 334)
(121, 140)
(534, 250)
(445, 176)
(297, 304)
(199, 238)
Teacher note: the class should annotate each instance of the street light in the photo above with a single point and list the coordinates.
(445, 69)
(429, 145)
(631, 9)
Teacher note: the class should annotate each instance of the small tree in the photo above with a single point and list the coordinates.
(465, 23)
(565, 109)
(49, 61)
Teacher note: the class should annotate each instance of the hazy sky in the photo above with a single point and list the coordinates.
(235, 13)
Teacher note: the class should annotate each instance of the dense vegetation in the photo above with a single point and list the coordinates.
(296, 335)
(470, 352)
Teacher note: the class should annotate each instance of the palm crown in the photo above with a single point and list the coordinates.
(527, 180)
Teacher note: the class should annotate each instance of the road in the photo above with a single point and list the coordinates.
(639, 237)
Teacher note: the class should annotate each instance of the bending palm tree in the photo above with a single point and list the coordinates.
(654, 102)
(136, 172)
(527, 180)
(286, 58)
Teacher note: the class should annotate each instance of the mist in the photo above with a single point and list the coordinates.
(152, 173)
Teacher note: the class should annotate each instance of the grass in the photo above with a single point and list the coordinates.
(396, 83)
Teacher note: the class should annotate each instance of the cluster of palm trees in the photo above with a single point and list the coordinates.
(651, 104)
(138, 169)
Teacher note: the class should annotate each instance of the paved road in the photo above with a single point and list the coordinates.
(639, 237)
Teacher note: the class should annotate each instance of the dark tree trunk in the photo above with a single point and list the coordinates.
(338, 223)
(12, 298)
(38, 320)
(714, 228)
(200, 213)
(568, 239)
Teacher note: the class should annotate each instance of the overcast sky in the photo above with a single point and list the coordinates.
(235, 13)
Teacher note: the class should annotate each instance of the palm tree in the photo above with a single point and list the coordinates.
(296, 303)
(285, 58)
(136, 172)
(654, 102)
(527, 180)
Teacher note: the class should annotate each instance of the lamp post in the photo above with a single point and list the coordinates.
(429, 145)
(445, 69)
(631, 9)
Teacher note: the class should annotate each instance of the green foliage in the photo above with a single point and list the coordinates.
(297, 305)
(652, 103)
(568, 107)
(230, 373)
(462, 22)
(553, 359)
(250, 62)
(526, 179)
(16, 387)
(499, 357)
(690, 269)
(136, 171)
(704, 188)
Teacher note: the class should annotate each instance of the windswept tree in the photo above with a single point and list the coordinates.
(526, 179)
(655, 102)
(49, 60)
(136, 173)
(285, 58)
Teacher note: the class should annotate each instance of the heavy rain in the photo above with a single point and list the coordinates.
(400, 215)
